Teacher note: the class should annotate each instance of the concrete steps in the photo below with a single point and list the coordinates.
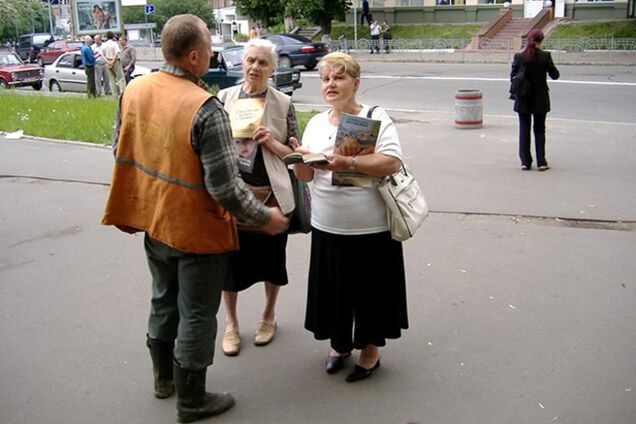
(503, 39)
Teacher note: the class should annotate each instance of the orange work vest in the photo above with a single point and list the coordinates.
(157, 183)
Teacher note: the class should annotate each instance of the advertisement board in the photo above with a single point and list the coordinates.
(96, 16)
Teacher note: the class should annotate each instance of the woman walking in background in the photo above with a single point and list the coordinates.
(536, 103)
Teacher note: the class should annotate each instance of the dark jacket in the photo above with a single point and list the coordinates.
(539, 100)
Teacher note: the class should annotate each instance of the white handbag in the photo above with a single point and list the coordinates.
(406, 206)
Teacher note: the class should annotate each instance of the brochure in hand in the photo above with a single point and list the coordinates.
(355, 133)
(245, 117)
(307, 158)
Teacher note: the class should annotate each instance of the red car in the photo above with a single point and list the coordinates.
(57, 48)
(15, 73)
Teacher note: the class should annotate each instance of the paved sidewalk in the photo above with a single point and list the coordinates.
(521, 290)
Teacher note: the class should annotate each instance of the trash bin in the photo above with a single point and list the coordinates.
(468, 109)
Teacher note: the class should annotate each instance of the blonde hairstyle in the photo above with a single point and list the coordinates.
(181, 34)
(342, 62)
(262, 43)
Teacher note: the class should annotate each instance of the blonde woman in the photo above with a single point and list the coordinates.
(357, 287)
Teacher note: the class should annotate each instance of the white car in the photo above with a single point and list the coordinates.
(67, 73)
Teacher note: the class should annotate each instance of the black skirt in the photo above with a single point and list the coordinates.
(260, 257)
(357, 289)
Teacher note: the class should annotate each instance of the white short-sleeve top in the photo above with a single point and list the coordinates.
(347, 210)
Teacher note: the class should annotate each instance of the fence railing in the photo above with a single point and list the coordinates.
(560, 44)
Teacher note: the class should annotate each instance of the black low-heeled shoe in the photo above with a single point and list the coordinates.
(360, 373)
(333, 364)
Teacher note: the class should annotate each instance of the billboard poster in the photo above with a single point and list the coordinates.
(96, 16)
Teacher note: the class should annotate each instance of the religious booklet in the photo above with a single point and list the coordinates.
(245, 116)
(307, 158)
(357, 133)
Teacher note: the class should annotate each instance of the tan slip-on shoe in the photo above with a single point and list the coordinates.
(231, 342)
(264, 333)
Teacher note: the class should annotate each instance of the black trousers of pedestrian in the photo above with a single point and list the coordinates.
(375, 44)
(525, 123)
(363, 16)
(90, 81)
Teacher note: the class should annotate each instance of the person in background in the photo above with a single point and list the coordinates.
(102, 84)
(261, 256)
(375, 36)
(128, 56)
(536, 105)
(184, 198)
(88, 60)
(366, 13)
(385, 31)
(356, 295)
(252, 33)
(110, 51)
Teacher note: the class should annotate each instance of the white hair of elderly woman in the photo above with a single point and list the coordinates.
(261, 43)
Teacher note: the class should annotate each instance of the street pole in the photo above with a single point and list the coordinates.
(50, 18)
(355, 27)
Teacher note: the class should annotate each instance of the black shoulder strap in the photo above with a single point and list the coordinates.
(370, 112)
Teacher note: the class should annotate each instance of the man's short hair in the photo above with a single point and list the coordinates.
(110, 35)
(181, 34)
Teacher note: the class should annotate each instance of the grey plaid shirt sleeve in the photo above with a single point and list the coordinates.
(212, 141)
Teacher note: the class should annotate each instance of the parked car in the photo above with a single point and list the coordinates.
(67, 73)
(15, 73)
(29, 45)
(226, 70)
(52, 51)
(294, 50)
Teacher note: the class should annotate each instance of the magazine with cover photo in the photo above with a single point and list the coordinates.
(245, 117)
(355, 133)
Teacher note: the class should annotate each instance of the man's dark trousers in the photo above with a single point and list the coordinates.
(90, 81)
(186, 295)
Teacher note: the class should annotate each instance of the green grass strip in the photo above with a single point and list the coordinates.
(63, 118)
(69, 118)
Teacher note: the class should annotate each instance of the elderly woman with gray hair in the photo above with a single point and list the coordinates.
(261, 256)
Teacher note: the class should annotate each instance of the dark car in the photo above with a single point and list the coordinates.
(29, 45)
(294, 50)
(57, 48)
(15, 73)
(226, 70)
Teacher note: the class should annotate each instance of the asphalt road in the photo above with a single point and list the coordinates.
(522, 297)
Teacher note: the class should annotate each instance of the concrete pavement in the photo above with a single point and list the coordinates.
(521, 293)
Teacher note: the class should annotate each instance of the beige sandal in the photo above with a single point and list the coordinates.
(231, 342)
(264, 333)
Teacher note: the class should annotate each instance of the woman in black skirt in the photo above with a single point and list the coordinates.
(357, 289)
(261, 257)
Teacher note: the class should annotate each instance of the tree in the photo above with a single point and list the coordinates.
(265, 11)
(320, 12)
(22, 16)
(165, 9)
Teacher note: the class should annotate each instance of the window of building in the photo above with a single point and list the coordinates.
(409, 3)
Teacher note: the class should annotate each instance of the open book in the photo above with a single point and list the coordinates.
(355, 133)
(307, 158)
(245, 117)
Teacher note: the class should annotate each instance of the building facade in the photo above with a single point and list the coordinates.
(456, 11)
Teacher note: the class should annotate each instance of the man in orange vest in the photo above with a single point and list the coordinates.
(176, 178)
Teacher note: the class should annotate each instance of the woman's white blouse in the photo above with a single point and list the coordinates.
(347, 210)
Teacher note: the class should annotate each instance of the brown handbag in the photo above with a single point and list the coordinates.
(265, 195)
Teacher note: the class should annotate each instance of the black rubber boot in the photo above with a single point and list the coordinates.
(193, 402)
(162, 355)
